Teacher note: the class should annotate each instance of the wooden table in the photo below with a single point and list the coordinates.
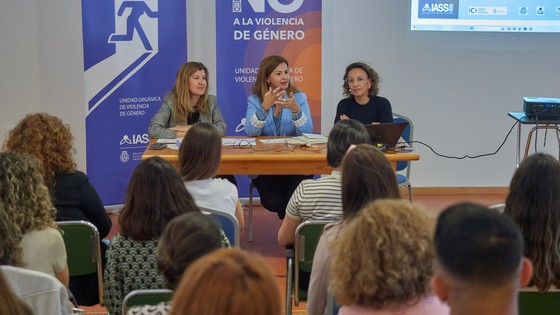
(272, 159)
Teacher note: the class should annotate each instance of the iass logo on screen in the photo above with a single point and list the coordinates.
(258, 6)
(438, 9)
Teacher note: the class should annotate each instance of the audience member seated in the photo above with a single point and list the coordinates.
(199, 159)
(533, 202)
(184, 239)
(480, 263)
(26, 202)
(49, 139)
(276, 107)
(227, 281)
(382, 262)
(41, 293)
(10, 302)
(155, 195)
(321, 199)
(186, 104)
(362, 102)
(366, 176)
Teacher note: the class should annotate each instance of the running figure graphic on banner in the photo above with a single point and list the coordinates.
(133, 22)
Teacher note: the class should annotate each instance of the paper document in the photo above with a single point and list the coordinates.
(273, 141)
(169, 140)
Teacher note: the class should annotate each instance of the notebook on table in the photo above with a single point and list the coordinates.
(385, 136)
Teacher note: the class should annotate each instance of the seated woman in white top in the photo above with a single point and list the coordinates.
(26, 202)
(199, 159)
(383, 261)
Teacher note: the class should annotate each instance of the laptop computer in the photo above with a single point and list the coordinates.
(385, 136)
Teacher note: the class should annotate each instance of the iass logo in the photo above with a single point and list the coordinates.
(135, 139)
(438, 9)
(258, 6)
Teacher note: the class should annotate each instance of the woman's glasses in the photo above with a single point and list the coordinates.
(351, 81)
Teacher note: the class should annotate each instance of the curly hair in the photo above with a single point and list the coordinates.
(372, 75)
(47, 138)
(25, 202)
(533, 204)
(385, 256)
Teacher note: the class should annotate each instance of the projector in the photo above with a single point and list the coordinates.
(541, 108)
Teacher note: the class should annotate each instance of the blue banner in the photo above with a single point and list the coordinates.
(132, 51)
(249, 30)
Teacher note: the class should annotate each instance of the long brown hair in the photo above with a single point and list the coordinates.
(200, 152)
(155, 195)
(533, 202)
(181, 94)
(366, 176)
(268, 65)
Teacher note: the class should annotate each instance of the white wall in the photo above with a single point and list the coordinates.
(457, 87)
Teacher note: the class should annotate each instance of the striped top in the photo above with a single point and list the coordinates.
(319, 199)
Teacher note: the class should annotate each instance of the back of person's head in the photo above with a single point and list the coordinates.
(343, 134)
(533, 203)
(227, 281)
(384, 256)
(367, 175)
(200, 152)
(478, 246)
(10, 303)
(156, 194)
(47, 138)
(185, 239)
(25, 198)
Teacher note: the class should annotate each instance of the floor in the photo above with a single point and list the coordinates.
(266, 225)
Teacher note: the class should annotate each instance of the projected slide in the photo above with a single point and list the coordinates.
(485, 15)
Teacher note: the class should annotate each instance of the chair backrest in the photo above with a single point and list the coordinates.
(308, 234)
(81, 239)
(408, 137)
(146, 297)
(43, 293)
(228, 223)
(537, 303)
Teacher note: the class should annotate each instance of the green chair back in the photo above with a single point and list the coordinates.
(536, 303)
(81, 239)
(146, 297)
(308, 234)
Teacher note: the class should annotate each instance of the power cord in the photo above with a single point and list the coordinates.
(468, 156)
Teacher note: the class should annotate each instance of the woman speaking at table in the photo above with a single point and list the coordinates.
(361, 86)
(276, 108)
(187, 103)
